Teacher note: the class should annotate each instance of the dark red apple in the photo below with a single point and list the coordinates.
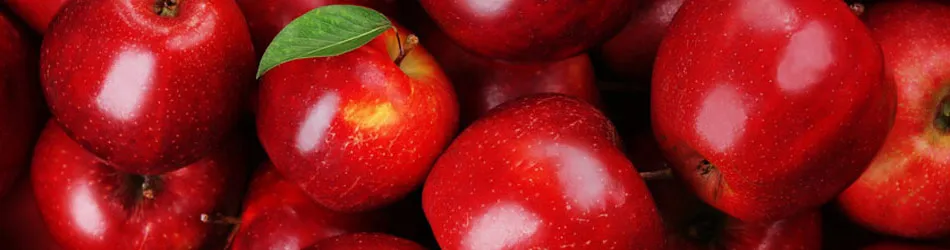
(366, 241)
(21, 225)
(87, 204)
(629, 56)
(483, 83)
(529, 30)
(37, 13)
(904, 191)
(277, 214)
(769, 108)
(150, 85)
(21, 102)
(357, 131)
(266, 18)
(536, 173)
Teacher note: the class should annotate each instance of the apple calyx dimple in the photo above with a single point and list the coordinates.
(857, 9)
(166, 8)
(149, 185)
(404, 49)
(942, 118)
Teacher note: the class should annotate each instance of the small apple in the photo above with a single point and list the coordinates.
(21, 225)
(265, 18)
(366, 241)
(483, 83)
(21, 102)
(357, 131)
(530, 30)
(629, 56)
(150, 86)
(277, 214)
(536, 173)
(37, 13)
(769, 108)
(904, 190)
(87, 204)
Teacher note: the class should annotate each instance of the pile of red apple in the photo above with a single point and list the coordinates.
(474, 124)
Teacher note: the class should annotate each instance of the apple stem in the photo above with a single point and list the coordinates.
(942, 119)
(220, 219)
(857, 9)
(663, 174)
(166, 8)
(405, 49)
(148, 187)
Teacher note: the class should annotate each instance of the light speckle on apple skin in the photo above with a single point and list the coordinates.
(387, 127)
(87, 204)
(521, 177)
(148, 93)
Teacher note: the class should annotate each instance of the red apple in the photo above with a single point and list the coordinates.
(87, 204)
(150, 85)
(536, 173)
(357, 131)
(21, 225)
(21, 102)
(629, 56)
(37, 13)
(277, 214)
(904, 190)
(529, 30)
(366, 241)
(769, 108)
(483, 83)
(266, 18)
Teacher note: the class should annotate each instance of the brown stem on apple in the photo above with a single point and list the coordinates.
(857, 9)
(663, 174)
(405, 49)
(220, 219)
(149, 186)
(166, 8)
(942, 118)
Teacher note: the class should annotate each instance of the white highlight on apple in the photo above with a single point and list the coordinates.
(126, 84)
(805, 59)
(315, 126)
(721, 118)
(85, 213)
(502, 226)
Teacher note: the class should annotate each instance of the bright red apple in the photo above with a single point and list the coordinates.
(483, 83)
(266, 18)
(529, 30)
(769, 108)
(536, 173)
(904, 191)
(37, 13)
(21, 225)
(357, 131)
(150, 85)
(21, 102)
(278, 215)
(629, 56)
(87, 204)
(366, 241)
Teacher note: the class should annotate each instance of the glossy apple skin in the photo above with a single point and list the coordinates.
(21, 101)
(37, 13)
(277, 214)
(740, 86)
(529, 30)
(87, 204)
(21, 225)
(484, 83)
(366, 241)
(536, 173)
(265, 18)
(150, 95)
(356, 131)
(629, 55)
(903, 191)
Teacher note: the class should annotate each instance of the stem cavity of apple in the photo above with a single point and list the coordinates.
(405, 49)
(942, 118)
(149, 187)
(166, 8)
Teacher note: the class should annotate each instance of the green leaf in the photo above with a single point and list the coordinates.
(326, 31)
